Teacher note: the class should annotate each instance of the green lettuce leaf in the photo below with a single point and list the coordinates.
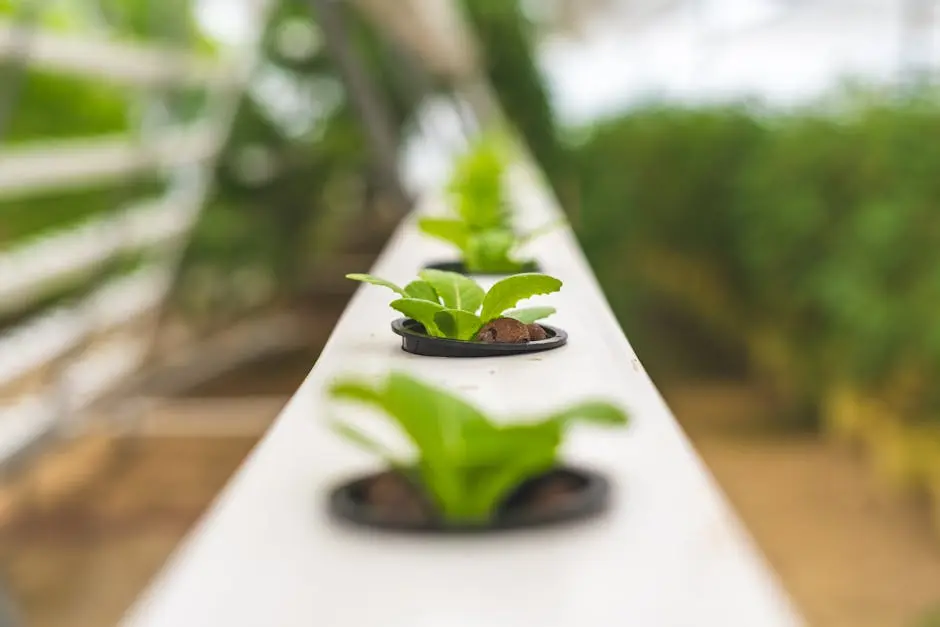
(489, 251)
(477, 184)
(421, 290)
(529, 315)
(368, 443)
(437, 423)
(455, 290)
(509, 291)
(374, 280)
(457, 324)
(596, 412)
(493, 487)
(421, 310)
(450, 230)
(467, 464)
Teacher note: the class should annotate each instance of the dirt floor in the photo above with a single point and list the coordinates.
(849, 554)
(850, 557)
(81, 559)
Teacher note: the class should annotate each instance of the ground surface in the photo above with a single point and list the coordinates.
(80, 561)
(849, 556)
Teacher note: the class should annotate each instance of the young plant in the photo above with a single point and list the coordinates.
(466, 463)
(482, 229)
(454, 306)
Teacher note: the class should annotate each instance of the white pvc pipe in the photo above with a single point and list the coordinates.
(116, 61)
(42, 166)
(30, 271)
(42, 340)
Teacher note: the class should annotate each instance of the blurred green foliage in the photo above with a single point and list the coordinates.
(50, 105)
(92, 108)
(315, 177)
(28, 217)
(507, 47)
(481, 225)
(808, 242)
(170, 22)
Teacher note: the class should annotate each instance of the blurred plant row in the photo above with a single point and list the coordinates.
(801, 247)
(807, 241)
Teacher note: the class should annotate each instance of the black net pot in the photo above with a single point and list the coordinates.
(460, 268)
(563, 495)
(415, 340)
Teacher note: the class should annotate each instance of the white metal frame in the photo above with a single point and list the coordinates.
(38, 265)
(32, 268)
(115, 61)
(44, 166)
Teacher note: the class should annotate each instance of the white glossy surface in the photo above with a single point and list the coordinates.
(670, 553)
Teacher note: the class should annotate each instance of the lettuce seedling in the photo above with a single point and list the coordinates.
(482, 229)
(454, 306)
(466, 463)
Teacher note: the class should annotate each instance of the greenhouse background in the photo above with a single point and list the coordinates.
(185, 183)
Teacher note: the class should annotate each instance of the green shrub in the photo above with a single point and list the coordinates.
(811, 241)
(656, 189)
(838, 233)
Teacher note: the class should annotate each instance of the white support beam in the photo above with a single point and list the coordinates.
(47, 338)
(41, 340)
(27, 420)
(224, 106)
(34, 168)
(44, 166)
(115, 61)
(33, 269)
(431, 29)
(22, 423)
(98, 371)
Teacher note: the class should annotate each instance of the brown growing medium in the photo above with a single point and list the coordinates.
(395, 499)
(536, 332)
(550, 495)
(510, 331)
